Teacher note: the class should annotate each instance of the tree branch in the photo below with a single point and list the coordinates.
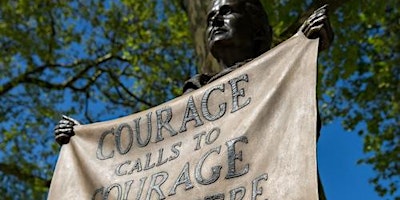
(26, 77)
(21, 175)
(115, 78)
(87, 115)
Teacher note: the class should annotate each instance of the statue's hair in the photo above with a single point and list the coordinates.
(260, 25)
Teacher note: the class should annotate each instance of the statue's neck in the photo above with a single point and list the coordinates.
(227, 57)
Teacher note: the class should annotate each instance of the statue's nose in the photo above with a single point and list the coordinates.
(217, 21)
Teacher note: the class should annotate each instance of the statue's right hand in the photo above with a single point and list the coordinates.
(64, 130)
(318, 26)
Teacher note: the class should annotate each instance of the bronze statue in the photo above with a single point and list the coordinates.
(237, 31)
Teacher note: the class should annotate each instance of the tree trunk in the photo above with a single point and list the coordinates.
(197, 13)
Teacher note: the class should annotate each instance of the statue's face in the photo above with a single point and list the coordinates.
(228, 25)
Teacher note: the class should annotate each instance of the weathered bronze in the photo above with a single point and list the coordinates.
(64, 130)
(237, 31)
(318, 26)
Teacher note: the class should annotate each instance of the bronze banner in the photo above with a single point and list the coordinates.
(248, 135)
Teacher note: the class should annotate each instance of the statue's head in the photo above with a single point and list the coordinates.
(240, 25)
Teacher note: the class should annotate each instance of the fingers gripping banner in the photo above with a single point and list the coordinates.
(248, 135)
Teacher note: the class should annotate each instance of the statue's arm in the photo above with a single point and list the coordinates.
(64, 130)
(318, 26)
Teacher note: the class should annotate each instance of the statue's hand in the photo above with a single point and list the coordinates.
(64, 130)
(317, 25)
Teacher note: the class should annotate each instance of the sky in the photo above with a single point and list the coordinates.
(342, 178)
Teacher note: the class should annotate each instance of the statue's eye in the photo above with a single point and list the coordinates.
(211, 15)
(224, 10)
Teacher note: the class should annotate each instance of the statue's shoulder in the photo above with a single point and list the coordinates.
(199, 80)
(196, 82)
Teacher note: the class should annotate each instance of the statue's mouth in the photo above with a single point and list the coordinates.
(217, 35)
(218, 31)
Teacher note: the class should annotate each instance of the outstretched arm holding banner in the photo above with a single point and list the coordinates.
(230, 31)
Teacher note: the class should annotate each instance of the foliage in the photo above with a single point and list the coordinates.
(359, 78)
(95, 60)
(361, 85)
(359, 81)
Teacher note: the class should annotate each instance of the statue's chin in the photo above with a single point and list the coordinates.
(219, 42)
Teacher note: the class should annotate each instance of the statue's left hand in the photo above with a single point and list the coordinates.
(64, 130)
(318, 26)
